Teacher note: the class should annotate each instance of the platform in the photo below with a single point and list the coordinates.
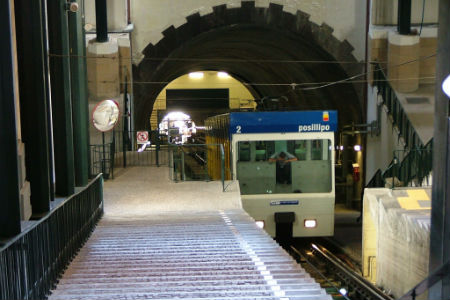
(396, 237)
(189, 240)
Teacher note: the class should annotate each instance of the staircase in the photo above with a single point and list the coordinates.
(217, 255)
(413, 165)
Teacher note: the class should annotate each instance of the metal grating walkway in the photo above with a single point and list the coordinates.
(208, 255)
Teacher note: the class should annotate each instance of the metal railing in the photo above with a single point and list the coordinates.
(416, 165)
(437, 276)
(408, 168)
(124, 151)
(32, 262)
(395, 109)
(376, 181)
(189, 162)
(129, 153)
(102, 158)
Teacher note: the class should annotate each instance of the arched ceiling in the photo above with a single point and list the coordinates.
(259, 54)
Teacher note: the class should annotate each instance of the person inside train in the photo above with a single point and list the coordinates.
(283, 169)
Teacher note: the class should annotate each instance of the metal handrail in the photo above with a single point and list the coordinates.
(222, 157)
(435, 277)
(376, 180)
(32, 262)
(395, 109)
(415, 165)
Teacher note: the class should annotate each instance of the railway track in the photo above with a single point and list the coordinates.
(334, 275)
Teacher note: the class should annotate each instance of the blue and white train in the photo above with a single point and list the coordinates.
(284, 162)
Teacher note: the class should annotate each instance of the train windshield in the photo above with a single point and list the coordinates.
(284, 166)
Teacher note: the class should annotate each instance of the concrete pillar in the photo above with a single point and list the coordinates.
(9, 177)
(403, 64)
(103, 70)
(428, 47)
(24, 184)
(125, 64)
(440, 213)
(58, 40)
(79, 98)
(32, 58)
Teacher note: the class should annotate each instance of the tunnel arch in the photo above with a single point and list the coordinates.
(263, 40)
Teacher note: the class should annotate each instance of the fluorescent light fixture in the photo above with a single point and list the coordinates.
(223, 75)
(340, 147)
(310, 223)
(260, 224)
(196, 75)
(357, 148)
(446, 86)
(343, 292)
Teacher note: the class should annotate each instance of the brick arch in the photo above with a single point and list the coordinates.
(260, 37)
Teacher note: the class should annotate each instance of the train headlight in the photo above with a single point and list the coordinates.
(310, 223)
(446, 86)
(260, 224)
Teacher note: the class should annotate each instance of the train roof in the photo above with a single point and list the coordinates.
(283, 121)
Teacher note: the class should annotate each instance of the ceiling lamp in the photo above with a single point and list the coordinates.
(223, 75)
(196, 75)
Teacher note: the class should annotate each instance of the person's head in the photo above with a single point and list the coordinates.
(282, 155)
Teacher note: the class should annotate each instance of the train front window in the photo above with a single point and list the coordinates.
(284, 166)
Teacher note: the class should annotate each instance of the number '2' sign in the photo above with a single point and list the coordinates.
(238, 129)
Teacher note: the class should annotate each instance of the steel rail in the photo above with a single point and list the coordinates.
(355, 280)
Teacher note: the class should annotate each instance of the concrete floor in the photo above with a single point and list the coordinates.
(144, 191)
(147, 192)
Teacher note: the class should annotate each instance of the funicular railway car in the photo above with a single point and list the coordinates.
(284, 162)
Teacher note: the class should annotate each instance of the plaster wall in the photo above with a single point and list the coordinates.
(384, 12)
(152, 17)
(117, 13)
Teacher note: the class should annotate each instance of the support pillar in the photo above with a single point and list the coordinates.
(101, 21)
(404, 17)
(440, 212)
(9, 176)
(34, 100)
(403, 62)
(61, 93)
(80, 104)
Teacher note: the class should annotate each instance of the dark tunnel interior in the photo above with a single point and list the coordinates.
(265, 57)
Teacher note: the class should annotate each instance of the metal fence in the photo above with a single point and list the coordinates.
(408, 168)
(124, 151)
(128, 152)
(192, 162)
(102, 156)
(32, 262)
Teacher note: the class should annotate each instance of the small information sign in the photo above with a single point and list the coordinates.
(142, 137)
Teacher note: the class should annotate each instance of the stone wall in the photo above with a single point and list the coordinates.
(153, 17)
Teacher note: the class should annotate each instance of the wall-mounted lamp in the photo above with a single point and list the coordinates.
(446, 86)
(357, 148)
(196, 75)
